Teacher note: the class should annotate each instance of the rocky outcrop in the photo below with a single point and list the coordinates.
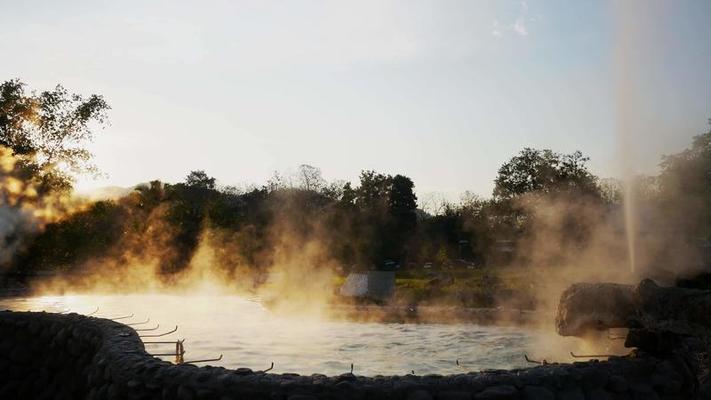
(594, 306)
(599, 306)
(53, 356)
(668, 322)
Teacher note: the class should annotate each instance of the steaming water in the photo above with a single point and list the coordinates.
(249, 335)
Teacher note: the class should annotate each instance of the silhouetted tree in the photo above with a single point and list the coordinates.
(51, 127)
(151, 194)
(373, 190)
(199, 179)
(310, 178)
(402, 202)
(685, 187)
(81, 237)
(545, 172)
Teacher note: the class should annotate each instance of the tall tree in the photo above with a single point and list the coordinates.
(402, 202)
(685, 187)
(150, 195)
(544, 171)
(310, 178)
(373, 190)
(199, 179)
(52, 128)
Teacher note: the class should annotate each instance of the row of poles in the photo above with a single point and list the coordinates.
(179, 344)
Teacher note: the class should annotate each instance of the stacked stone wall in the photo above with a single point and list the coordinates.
(56, 356)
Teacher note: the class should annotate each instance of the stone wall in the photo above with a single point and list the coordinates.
(53, 356)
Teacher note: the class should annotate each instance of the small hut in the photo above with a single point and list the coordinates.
(375, 285)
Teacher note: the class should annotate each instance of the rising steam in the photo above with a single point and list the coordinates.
(24, 211)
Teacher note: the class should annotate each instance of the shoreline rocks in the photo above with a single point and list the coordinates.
(71, 356)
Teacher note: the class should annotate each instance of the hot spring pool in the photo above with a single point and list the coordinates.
(249, 335)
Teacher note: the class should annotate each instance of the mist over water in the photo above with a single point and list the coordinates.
(248, 335)
(291, 246)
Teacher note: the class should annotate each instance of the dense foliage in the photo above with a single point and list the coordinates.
(539, 195)
(375, 224)
(48, 131)
(42, 147)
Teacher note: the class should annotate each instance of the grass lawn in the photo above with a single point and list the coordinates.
(480, 287)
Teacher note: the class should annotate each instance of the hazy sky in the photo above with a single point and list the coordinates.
(441, 91)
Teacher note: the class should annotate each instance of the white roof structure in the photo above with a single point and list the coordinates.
(372, 284)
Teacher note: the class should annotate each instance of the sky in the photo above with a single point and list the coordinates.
(441, 91)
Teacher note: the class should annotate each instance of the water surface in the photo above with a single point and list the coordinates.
(249, 335)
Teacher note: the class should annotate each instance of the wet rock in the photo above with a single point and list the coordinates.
(666, 383)
(346, 377)
(107, 373)
(205, 394)
(571, 393)
(61, 336)
(74, 347)
(705, 390)
(77, 333)
(202, 377)
(345, 386)
(536, 393)
(502, 392)
(419, 395)
(153, 384)
(20, 355)
(113, 392)
(301, 397)
(133, 384)
(598, 394)
(102, 393)
(287, 385)
(617, 384)
(243, 371)
(34, 327)
(21, 336)
(94, 379)
(168, 393)
(590, 306)
(185, 393)
(595, 377)
(462, 381)
(25, 391)
(643, 392)
(407, 386)
(6, 344)
(454, 395)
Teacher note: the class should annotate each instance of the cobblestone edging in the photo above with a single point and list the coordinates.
(56, 356)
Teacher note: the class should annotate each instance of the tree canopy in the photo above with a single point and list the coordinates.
(685, 186)
(364, 224)
(49, 130)
(544, 171)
